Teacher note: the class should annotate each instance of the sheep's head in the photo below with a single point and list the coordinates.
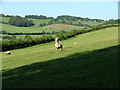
(57, 39)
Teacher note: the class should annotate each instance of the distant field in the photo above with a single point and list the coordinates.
(15, 29)
(5, 19)
(37, 29)
(62, 27)
(37, 22)
(91, 23)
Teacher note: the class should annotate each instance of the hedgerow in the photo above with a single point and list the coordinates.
(29, 41)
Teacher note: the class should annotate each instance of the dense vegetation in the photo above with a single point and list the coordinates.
(73, 18)
(38, 17)
(62, 21)
(112, 21)
(19, 21)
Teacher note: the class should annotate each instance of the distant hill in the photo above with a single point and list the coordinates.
(63, 22)
(62, 27)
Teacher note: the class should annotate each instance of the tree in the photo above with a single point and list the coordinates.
(42, 24)
(21, 22)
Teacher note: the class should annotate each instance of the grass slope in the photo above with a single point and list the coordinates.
(37, 29)
(91, 63)
(62, 27)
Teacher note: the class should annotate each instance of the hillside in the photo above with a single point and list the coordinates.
(37, 29)
(90, 63)
(62, 27)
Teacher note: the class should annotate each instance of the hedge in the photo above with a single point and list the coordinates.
(21, 43)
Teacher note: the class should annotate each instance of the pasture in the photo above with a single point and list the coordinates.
(91, 63)
(37, 29)
(63, 27)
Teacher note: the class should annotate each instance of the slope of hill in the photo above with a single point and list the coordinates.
(90, 63)
(62, 27)
(15, 29)
(36, 28)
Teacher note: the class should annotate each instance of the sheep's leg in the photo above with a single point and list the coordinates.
(56, 48)
(61, 48)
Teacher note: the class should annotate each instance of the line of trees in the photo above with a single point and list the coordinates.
(42, 33)
(112, 21)
(21, 22)
(38, 17)
(61, 21)
(21, 43)
(74, 18)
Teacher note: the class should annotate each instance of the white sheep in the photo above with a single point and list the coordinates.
(75, 43)
(8, 52)
(58, 44)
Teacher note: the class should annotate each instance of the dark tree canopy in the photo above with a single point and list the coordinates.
(73, 18)
(38, 17)
(112, 21)
(21, 22)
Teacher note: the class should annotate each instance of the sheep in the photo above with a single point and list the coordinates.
(58, 44)
(8, 53)
(75, 43)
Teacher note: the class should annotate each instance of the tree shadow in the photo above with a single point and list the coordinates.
(98, 68)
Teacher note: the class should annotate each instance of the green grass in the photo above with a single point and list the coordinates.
(64, 27)
(91, 23)
(90, 63)
(37, 29)
(5, 19)
(37, 22)
(15, 29)
(32, 29)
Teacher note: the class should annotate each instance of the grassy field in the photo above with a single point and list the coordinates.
(91, 63)
(37, 29)
(37, 22)
(5, 19)
(62, 27)
(15, 29)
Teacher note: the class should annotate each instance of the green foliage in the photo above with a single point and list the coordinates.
(38, 17)
(112, 21)
(73, 18)
(28, 37)
(42, 24)
(14, 37)
(19, 21)
(9, 37)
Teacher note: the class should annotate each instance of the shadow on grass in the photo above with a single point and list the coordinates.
(98, 68)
